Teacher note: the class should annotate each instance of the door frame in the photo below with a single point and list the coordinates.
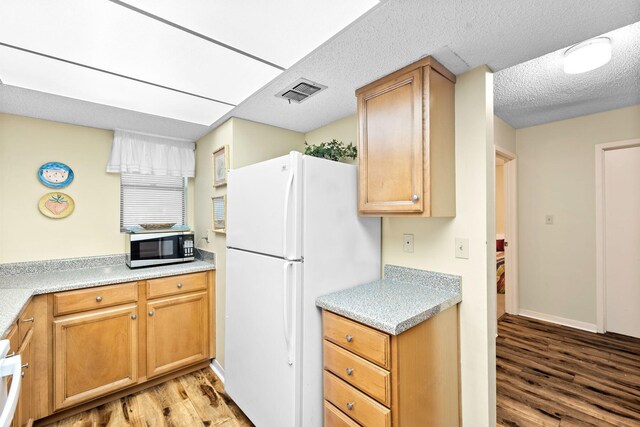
(601, 314)
(511, 297)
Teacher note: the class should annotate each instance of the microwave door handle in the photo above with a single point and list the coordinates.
(10, 366)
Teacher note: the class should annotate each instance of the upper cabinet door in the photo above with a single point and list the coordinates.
(406, 136)
(390, 143)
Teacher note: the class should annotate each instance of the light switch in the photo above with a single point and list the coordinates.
(462, 248)
(407, 242)
(548, 219)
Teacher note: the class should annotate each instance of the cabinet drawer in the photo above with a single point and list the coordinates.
(174, 285)
(25, 322)
(366, 376)
(359, 339)
(92, 298)
(356, 404)
(333, 417)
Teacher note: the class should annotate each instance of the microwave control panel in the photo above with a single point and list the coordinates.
(188, 246)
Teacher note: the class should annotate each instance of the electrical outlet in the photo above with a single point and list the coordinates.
(548, 219)
(407, 242)
(462, 248)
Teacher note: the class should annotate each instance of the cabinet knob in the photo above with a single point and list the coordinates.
(22, 374)
(349, 371)
(415, 198)
(350, 406)
(134, 317)
(349, 338)
(179, 285)
(151, 313)
(98, 298)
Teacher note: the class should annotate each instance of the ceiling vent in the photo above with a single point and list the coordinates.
(300, 90)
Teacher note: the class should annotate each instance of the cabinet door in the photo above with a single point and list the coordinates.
(95, 354)
(391, 164)
(22, 416)
(177, 332)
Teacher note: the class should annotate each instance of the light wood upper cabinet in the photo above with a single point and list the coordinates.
(177, 332)
(407, 143)
(94, 354)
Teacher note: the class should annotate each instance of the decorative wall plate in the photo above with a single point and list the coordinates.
(56, 205)
(55, 175)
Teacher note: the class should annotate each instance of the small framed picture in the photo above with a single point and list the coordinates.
(220, 166)
(219, 214)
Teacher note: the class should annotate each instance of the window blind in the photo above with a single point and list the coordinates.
(148, 199)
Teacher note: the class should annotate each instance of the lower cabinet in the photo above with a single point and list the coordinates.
(24, 417)
(177, 332)
(95, 353)
(375, 379)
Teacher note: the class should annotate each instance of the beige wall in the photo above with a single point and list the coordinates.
(556, 175)
(500, 209)
(505, 135)
(248, 142)
(434, 237)
(345, 130)
(93, 228)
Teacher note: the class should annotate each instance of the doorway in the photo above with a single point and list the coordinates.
(618, 237)
(506, 236)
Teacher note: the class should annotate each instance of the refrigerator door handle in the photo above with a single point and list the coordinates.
(286, 213)
(287, 303)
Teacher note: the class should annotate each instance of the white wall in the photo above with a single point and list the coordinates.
(556, 175)
(248, 142)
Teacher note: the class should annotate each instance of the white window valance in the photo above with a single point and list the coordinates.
(151, 155)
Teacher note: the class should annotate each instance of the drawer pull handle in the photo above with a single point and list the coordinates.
(350, 406)
(28, 320)
(25, 366)
(349, 371)
(179, 285)
(13, 353)
(349, 338)
(134, 317)
(99, 298)
(151, 313)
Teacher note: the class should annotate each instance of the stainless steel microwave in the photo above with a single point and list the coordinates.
(149, 249)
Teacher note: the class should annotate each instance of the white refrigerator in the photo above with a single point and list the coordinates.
(293, 233)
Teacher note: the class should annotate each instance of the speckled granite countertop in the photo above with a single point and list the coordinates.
(400, 301)
(20, 281)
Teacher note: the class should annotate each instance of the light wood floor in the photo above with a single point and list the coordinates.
(550, 375)
(196, 399)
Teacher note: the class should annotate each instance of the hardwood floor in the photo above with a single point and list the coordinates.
(196, 399)
(551, 375)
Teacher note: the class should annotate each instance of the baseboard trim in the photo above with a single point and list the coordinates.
(217, 369)
(576, 324)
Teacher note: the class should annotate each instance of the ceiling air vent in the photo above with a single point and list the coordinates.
(300, 90)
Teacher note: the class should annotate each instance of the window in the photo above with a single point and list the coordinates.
(148, 199)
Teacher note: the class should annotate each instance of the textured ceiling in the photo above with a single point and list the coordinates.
(461, 34)
(538, 91)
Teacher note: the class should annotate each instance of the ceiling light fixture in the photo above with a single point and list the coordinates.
(587, 55)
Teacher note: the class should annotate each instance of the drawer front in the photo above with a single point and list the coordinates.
(93, 298)
(175, 285)
(25, 322)
(333, 417)
(366, 376)
(359, 339)
(354, 403)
